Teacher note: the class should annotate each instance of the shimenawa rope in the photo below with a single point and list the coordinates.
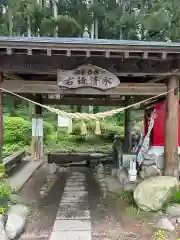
(87, 116)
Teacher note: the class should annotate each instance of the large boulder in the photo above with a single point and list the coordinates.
(151, 194)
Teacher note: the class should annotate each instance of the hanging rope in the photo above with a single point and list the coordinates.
(87, 116)
(146, 142)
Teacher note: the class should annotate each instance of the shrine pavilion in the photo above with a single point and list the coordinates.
(78, 71)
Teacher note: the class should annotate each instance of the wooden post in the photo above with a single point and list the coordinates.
(37, 130)
(171, 129)
(127, 127)
(1, 119)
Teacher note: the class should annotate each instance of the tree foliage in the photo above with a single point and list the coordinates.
(123, 19)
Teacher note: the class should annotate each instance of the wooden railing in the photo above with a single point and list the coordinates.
(13, 161)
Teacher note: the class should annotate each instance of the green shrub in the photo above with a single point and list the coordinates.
(173, 198)
(48, 128)
(49, 131)
(10, 148)
(17, 129)
(127, 195)
(5, 193)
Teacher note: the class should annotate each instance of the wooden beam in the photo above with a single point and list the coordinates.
(42, 64)
(1, 118)
(160, 78)
(38, 109)
(171, 129)
(34, 87)
(84, 102)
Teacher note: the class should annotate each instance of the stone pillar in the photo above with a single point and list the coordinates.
(1, 119)
(127, 127)
(171, 129)
(37, 130)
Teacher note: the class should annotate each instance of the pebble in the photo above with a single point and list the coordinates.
(173, 210)
(165, 223)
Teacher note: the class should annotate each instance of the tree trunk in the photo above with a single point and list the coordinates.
(55, 14)
(10, 22)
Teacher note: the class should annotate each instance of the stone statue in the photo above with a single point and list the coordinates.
(118, 150)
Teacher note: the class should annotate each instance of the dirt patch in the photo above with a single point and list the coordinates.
(133, 224)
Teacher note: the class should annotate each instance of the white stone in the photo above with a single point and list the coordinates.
(173, 210)
(72, 225)
(151, 194)
(15, 225)
(72, 235)
(3, 234)
(19, 209)
(165, 224)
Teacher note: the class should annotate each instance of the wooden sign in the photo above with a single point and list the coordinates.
(88, 76)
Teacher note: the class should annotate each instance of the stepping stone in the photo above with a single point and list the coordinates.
(72, 225)
(73, 189)
(73, 215)
(77, 177)
(73, 207)
(75, 235)
(77, 174)
(72, 184)
(74, 194)
(75, 199)
(75, 182)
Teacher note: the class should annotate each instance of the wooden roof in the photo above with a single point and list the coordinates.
(34, 62)
(39, 55)
(79, 43)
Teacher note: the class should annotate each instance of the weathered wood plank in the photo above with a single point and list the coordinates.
(52, 87)
(42, 64)
(11, 161)
(84, 102)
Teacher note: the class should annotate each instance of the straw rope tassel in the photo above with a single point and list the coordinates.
(83, 128)
(98, 128)
(70, 126)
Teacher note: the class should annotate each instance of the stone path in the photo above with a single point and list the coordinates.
(75, 209)
(73, 220)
